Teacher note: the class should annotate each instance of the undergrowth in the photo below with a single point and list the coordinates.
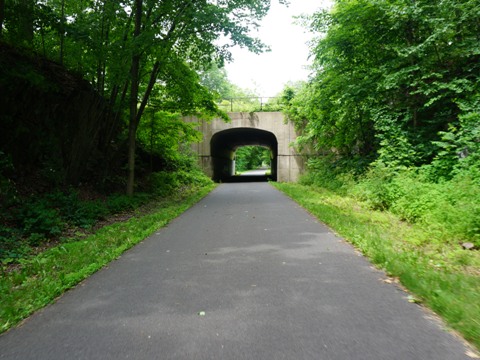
(425, 255)
(31, 222)
(38, 280)
(447, 209)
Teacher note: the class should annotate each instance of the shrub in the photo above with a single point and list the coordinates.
(8, 193)
(118, 203)
(75, 211)
(328, 174)
(456, 212)
(375, 188)
(38, 217)
(11, 246)
(414, 197)
(450, 210)
(163, 183)
(89, 212)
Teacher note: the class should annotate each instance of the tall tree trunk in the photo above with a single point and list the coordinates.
(2, 15)
(136, 113)
(62, 33)
(132, 131)
(23, 28)
(133, 118)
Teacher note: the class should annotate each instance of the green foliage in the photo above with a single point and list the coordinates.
(322, 174)
(119, 203)
(395, 83)
(12, 246)
(165, 183)
(136, 54)
(38, 219)
(442, 275)
(375, 187)
(252, 157)
(216, 80)
(43, 277)
(396, 80)
(333, 173)
(166, 135)
(459, 147)
(448, 210)
(8, 194)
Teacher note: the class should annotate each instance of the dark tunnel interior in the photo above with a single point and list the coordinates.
(224, 144)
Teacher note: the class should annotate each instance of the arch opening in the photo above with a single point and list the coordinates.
(224, 144)
(253, 160)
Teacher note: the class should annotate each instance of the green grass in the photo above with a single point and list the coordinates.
(41, 279)
(442, 276)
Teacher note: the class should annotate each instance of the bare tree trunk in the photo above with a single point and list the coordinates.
(23, 29)
(2, 15)
(62, 33)
(132, 131)
(136, 113)
(133, 122)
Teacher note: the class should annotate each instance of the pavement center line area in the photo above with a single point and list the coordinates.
(244, 274)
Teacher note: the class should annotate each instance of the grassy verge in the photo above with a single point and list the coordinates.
(442, 276)
(39, 280)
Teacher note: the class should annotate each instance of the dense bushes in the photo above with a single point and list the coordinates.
(450, 210)
(35, 220)
(393, 110)
(163, 183)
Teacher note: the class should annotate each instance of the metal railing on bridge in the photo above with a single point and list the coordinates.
(252, 104)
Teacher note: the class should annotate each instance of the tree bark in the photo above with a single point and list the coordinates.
(132, 131)
(23, 28)
(2, 15)
(62, 33)
(134, 119)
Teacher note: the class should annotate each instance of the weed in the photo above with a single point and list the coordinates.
(42, 278)
(37, 217)
(439, 273)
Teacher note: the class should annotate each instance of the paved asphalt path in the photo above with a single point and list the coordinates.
(244, 274)
(259, 172)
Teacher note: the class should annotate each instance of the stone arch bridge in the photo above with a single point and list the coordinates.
(216, 153)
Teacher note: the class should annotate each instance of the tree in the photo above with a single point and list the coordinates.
(389, 76)
(18, 16)
(216, 80)
(187, 30)
(126, 48)
(251, 157)
(2, 16)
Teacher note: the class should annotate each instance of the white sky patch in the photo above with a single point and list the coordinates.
(268, 73)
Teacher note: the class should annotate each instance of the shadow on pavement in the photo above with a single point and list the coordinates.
(247, 178)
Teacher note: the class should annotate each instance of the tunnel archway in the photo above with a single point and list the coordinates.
(224, 144)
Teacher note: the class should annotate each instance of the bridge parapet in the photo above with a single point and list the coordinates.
(270, 129)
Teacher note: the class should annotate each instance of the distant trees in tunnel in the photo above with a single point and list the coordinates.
(252, 157)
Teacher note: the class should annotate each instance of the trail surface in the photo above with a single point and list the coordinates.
(244, 274)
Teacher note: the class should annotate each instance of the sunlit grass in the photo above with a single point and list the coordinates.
(442, 276)
(39, 280)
